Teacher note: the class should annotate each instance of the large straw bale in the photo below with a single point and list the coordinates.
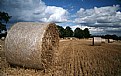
(96, 41)
(32, 45)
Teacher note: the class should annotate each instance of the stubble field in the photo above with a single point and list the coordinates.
(76, 58)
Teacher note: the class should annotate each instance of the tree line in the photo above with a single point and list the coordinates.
(79, 33)
(68, 32)
(4, 18)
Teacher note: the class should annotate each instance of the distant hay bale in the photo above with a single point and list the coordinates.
(32, 45)
(103, 40)
(111, 40)
(96, 41)
(89, 38)
(71, 38)
(107, 40)
(67, 38)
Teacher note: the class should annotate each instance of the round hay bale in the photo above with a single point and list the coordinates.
(96, 41)
(32, 45)
(111, 40)
(103, 40)
(107, 40)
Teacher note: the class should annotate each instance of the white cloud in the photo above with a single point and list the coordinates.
(102, 14)
(56, 14)
(100, 20)
(80, 26)
(31, 10)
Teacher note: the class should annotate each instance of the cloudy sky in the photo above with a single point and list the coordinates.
(100, 16)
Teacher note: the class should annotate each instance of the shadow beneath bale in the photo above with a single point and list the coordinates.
(22, 67)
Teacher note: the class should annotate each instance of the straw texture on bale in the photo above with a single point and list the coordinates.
(32, 45)
(96, 41)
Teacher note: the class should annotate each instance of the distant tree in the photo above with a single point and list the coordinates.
(4, 18)
(68, 32)
(86, 33)
(78, 33)
(115, 37)
(61, 31)
(119, 38)
(108, 36)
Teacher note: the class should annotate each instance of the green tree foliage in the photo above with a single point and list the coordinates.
(68, 32)
(86, 33)
(61, 31)
(78, 33)
(4, 18)
(115, 37)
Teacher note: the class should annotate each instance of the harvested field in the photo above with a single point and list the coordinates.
(76, 58)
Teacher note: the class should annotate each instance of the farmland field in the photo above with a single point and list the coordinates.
(76, 58)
